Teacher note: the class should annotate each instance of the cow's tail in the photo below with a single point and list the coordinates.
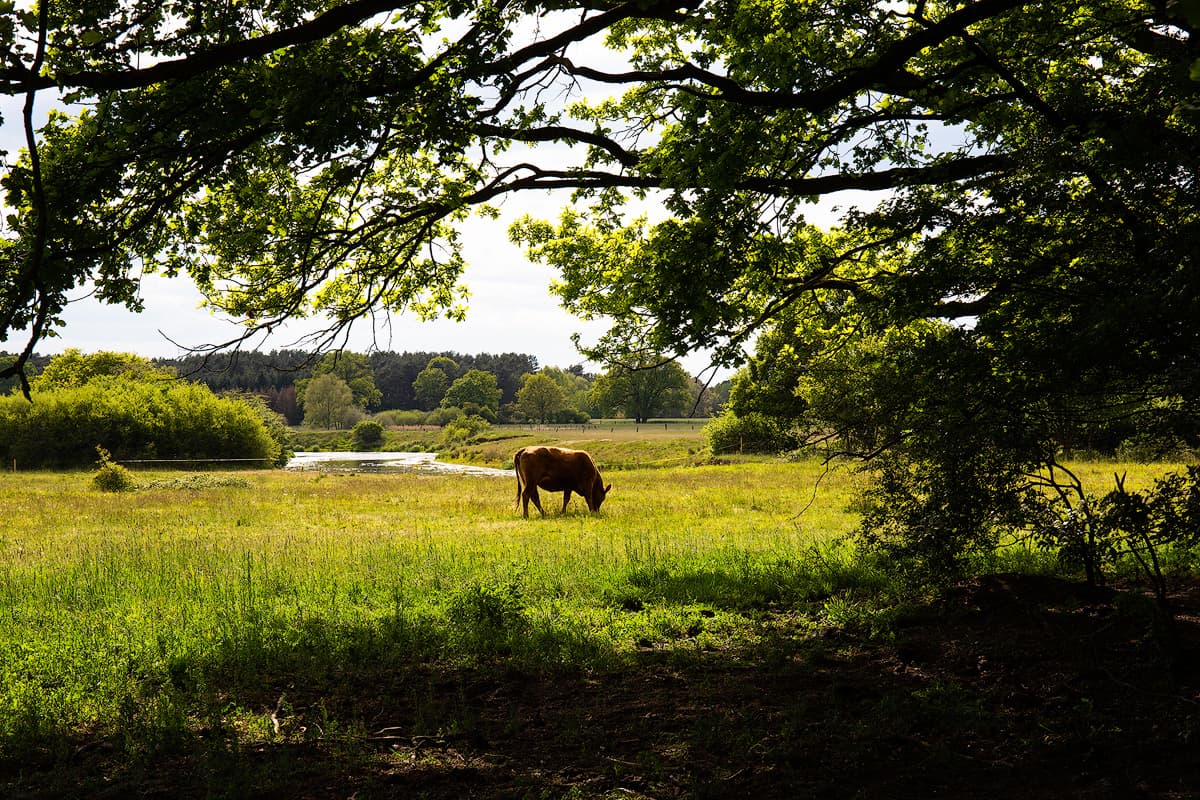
(517, 469)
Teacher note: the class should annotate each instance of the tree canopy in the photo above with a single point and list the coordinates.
(540, 398)
(73, 369)
(475, 389)
(327, 401)
(641, 391)
(429, 387)
(355, 371)
(317, 157)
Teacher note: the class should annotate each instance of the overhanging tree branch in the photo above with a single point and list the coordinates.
(886, 71)
(321, 27)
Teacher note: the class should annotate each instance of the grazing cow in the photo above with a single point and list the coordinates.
(556, 469)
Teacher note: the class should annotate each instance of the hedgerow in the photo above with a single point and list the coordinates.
(132, 419)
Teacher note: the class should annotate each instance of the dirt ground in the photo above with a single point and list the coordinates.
(1006, 686)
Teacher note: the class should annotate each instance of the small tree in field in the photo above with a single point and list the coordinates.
(326, 401)
(111, 476)
(477, 388)
(354, 369)
(643, 391)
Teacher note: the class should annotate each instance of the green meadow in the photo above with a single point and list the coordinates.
(137, 613)
(205, 616)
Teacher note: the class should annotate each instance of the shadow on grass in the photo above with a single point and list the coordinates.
(996, 689)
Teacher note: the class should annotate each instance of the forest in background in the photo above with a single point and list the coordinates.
(280, 376)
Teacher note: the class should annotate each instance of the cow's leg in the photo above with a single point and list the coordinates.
(566, 497)
(531, 493)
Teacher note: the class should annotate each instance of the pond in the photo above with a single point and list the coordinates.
(423, 463)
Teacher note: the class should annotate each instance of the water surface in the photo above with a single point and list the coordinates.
(423, 463)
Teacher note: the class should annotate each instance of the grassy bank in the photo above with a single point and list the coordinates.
(397, 635)
(615, 445)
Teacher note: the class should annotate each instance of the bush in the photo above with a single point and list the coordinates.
(929, 517)
(401, 417)
(367, 435)
(274, 423)
(1147, 448)
(752, 433)
(112, 477)
(477, 410)
(132, 419)
(464, 429)
(572, 416)
(1142, 525)
(444, 416)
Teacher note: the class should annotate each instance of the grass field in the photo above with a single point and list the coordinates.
(208, 617)
(133, 613)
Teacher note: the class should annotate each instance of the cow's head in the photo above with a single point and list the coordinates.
(597, 495)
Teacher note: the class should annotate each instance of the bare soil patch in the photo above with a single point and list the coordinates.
(1005, 686)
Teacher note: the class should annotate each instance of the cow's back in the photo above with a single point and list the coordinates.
(556, 469)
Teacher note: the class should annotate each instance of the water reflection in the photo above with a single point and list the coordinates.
(422, 463)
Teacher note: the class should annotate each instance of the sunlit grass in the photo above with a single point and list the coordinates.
(313, 523)
(141, 614)
(1099, 477)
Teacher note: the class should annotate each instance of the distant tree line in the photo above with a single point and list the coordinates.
(279, 375)
(505, 388)
(340, 389)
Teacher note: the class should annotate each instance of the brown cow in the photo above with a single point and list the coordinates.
(557, 469)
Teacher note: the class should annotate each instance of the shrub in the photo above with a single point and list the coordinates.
(1149, 447)
(928, 517)
(1144, 525)
(477, 410)
(132, 419)
(402, 417)
(444, 416)
(463, 429)
(368, 435)
(351, 417)
(111, 476)
(274, 423)
(752, 433)
(572, 416)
